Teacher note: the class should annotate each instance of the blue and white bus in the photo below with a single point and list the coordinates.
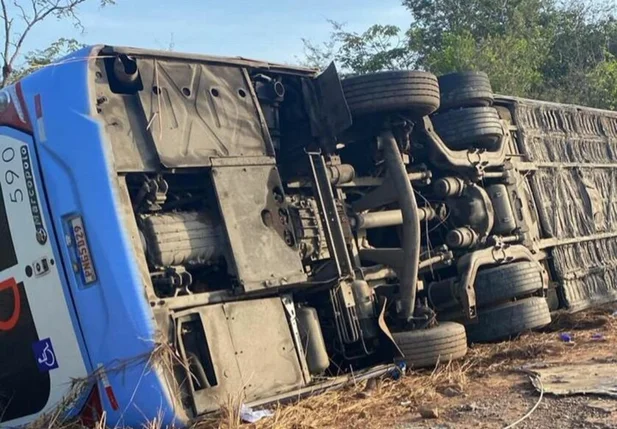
(179, 229)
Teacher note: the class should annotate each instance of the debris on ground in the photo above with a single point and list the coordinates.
(248, 415)
(489, 389)
(605, 406)
(578, 379)
(451, 391)
(598, 337)
(398, 371)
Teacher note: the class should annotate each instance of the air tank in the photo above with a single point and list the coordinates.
(313, 342)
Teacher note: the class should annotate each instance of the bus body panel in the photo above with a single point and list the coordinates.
(573, 152)
(117, 327)
(41, 352)
(116, 320)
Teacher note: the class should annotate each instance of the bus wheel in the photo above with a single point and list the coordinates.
(477, 127)
(467, 89)
(505, 282)
(413, 92)
(508, 320)
(428, 347)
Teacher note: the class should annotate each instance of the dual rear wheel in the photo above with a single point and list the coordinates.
(510, 302)
(465, 118)
(462, 113)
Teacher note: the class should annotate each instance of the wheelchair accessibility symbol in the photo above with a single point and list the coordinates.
(45, 355)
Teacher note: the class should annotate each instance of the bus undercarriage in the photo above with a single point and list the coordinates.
(291, 227)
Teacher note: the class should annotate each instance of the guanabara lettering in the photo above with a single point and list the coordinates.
(229, 225)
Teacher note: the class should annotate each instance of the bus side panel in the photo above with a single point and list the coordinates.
(575, 152)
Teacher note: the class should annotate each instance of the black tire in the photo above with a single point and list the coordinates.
(508, 320)
(499, 284)
(552, 298)
(466, 89)
(478, 127)
(413, 92)
(427, 347)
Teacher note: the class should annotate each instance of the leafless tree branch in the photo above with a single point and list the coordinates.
(37, 11)
(7, 31)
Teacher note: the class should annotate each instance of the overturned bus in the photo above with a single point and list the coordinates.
(179, 229)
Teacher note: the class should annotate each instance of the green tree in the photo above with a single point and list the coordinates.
(39, 58)
(379, 47)
(505, 39)
(584, 36)
(603, 83)
(19, 18)
(553, 49)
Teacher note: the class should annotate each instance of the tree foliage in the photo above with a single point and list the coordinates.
(19, 18)
(562, 50)
(39, 58)
(379, 47)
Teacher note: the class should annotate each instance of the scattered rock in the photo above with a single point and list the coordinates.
(371, 384)
(603, 406)
(610, 359)
(429, 412)
(363, 395)
(472, 406)
(451, 391)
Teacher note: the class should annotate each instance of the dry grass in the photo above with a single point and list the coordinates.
(369, 404)
(384, 402)
(546, 344)
(381, 403)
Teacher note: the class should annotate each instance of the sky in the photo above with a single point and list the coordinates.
(267, 29)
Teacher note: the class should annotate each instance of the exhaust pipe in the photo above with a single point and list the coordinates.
(125, 69)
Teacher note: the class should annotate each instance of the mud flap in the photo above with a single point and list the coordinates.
(384, 328)
(328, 110)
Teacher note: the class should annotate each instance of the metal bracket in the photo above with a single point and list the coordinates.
(153, 192)
(345, 315)
(329, 211)
(290, 309)
(470, 263)
(474, 159)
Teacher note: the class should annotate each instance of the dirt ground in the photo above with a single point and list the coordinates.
(485, 390)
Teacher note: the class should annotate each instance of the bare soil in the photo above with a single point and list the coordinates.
(485, 390)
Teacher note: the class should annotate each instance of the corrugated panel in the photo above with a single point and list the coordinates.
(574, 188)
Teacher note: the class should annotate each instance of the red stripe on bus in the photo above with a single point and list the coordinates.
(7, 325)
(112, 398)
